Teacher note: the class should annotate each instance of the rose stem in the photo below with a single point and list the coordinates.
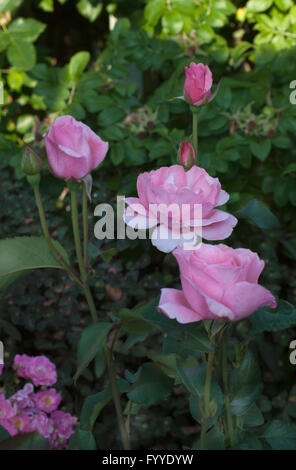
(206, 400)
(85, 227)
(46, 234)
(195, 134)
(75, 224)
(225, 389)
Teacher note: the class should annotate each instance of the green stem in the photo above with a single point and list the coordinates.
(85, 227)
(195, 134)
(116, 398)
(46, 234)
(75, 225)
(207, 400)
(82, 270)
(225, 389)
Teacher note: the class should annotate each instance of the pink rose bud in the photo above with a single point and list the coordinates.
(198, 83)
(218, 282)
(73, 149)
(186, 156)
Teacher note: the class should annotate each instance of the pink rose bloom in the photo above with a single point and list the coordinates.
(63, 423)
(43, 424)
(198, 84)
(48, 400)
(186, 156)
(7, 412)
(42, 371)
(21, 363)
(6, 409)
(73, 149)
(23, 398)
(217, 282)
(173, 186)
(21, 422)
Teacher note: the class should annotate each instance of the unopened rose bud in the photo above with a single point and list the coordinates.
(31, 162)
(186, 156)
(198, 84)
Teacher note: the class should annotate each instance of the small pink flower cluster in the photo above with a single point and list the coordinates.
(28, 411)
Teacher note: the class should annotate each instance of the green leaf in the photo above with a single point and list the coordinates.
(216, 400)
(117, 153)
(268, 319)
(82, 440)
(280, 435)
(193, 337)
(24, 123)
(10, 330)
(21, 55)
(253, 417)
(172, 22)
(47, 5)
(258, 213)
(113, 134)
(190, 377)
(52, 85)
(246, 441)
(152, 386)
(29, 441)
(90, 9)
(283, 4)
(77, 64)
(91, 341)
(15, 80)
(92, 407)
(8, 5)
(110, 116)
(27, 29)
(160, 148)
(214, 440)
(21, 254)
(260, 149)
(246, 385)
(3, 434)
(93, 404)
(258, 5)
(291, 168)
(4, 41)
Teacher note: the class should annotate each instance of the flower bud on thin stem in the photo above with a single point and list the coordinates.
(31, 163)
(186, 155)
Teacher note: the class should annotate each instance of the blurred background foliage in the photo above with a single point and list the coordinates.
(116, 66)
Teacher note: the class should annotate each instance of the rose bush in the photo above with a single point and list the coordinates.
(196, 385)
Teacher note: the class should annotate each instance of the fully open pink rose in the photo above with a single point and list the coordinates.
(198, 84)
(185, 191)
(217, 282)
(73, 149)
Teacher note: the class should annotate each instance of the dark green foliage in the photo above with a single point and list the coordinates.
(120, 83)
